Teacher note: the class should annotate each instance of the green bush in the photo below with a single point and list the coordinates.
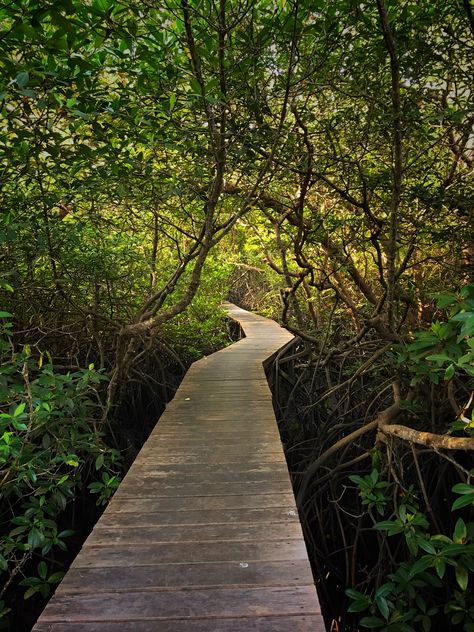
(51, 445)
(447, 348)
(434, 577)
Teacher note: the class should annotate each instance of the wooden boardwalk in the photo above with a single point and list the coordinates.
(203, 533)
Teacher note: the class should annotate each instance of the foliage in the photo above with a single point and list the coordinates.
(323, 148)
(202, 328)
(372, 490)
(436, 572)
(447, 349)
(50, 446)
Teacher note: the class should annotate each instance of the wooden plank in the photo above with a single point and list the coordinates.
(211, 454)
(157, 444)
(178, 505)
(151, 486)
(241, 532)
(295, 623)
(210, 472)
(178, 576)
(257, 398)
(172, 459)
(218, 422)
(234, 416)
(195, 388)
(174, 552)
(186, 401)
(263, 412)
(183, 604)
(149, 518)
(201, 435)
(178, 442)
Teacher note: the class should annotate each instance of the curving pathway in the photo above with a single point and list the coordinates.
(203, 534)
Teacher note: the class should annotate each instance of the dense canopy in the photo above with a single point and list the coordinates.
(311, 160)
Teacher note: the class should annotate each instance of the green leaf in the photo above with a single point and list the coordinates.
(358, 480)
(355, 594)
(3, 563)
(462, 576)
(358, 605)
(463, 501)
(460, 531)
(81, 114)
(361, 601)
(467, 357)
(17, 531)
(384, 590)
(95, 488)
(468, 327)
(467, 291)
(444, 300)
(391, 526)
(440, 567)
(402, 512)
(382, 605)
(42, 570)
(426, 546)
(6, 315)
(463, 488)
(195, 86)
(60, 499)
(22, 79)
(31, 94)
(462, 316)
(35, 538)
(19, 426)
(30, 592)
(66, 534)
(439, 357)
(420, 565)
(19, 409)
(449, 373)
(372, 622)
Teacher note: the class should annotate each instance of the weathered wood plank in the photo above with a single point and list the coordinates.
(171, 552)
(178, 576)
(157, 445)
(142, 504)
(183, 604)
(211, 472)
(152, 486)
(261, 413)
(295, 623)
(217, 422)
(233, 418)
(150, 459)
(119, 535)
(149, 518)
(175, 436)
